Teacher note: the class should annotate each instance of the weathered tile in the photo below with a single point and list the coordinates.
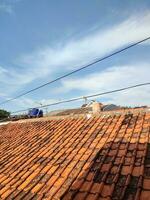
(76, 158)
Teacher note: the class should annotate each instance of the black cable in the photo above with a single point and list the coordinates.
(77, 70)
(89, 96)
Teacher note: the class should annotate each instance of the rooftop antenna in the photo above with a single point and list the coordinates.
(85, 100)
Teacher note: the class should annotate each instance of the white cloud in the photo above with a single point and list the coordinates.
(26, 103)
(76, 52)
(114, 78)
(135, 97)
(29, 103)
(3, 94)
(6, 8)
(109, 79)
(11, 80)
(63, 57)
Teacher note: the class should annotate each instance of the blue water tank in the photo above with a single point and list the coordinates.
(33, 112)
(40, 114)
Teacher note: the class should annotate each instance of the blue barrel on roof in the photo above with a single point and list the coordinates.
(33, 112)
(40, 113)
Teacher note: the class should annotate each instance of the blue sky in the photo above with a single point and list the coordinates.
(43, 39)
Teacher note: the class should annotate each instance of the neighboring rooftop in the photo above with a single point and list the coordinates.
(88, 109)
(105, 156)
(75, 111)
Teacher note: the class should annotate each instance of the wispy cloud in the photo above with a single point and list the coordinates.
(114, 78)
(11, 80)
(111, 78)
(6, 8)
(26, 103)
(66, 56)
(29, 103)
(76, 52)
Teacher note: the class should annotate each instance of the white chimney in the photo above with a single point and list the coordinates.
(96, 107)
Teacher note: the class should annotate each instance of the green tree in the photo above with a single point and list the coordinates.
(4, 114)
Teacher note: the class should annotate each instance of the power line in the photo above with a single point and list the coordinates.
(88, 96)
(75, 71)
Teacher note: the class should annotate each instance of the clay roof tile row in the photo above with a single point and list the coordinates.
(103, 157)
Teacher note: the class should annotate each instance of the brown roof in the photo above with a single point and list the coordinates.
(88, 110)
(75, 111)
(103, 157)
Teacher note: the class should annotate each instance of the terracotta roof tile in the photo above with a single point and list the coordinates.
(103, 157)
